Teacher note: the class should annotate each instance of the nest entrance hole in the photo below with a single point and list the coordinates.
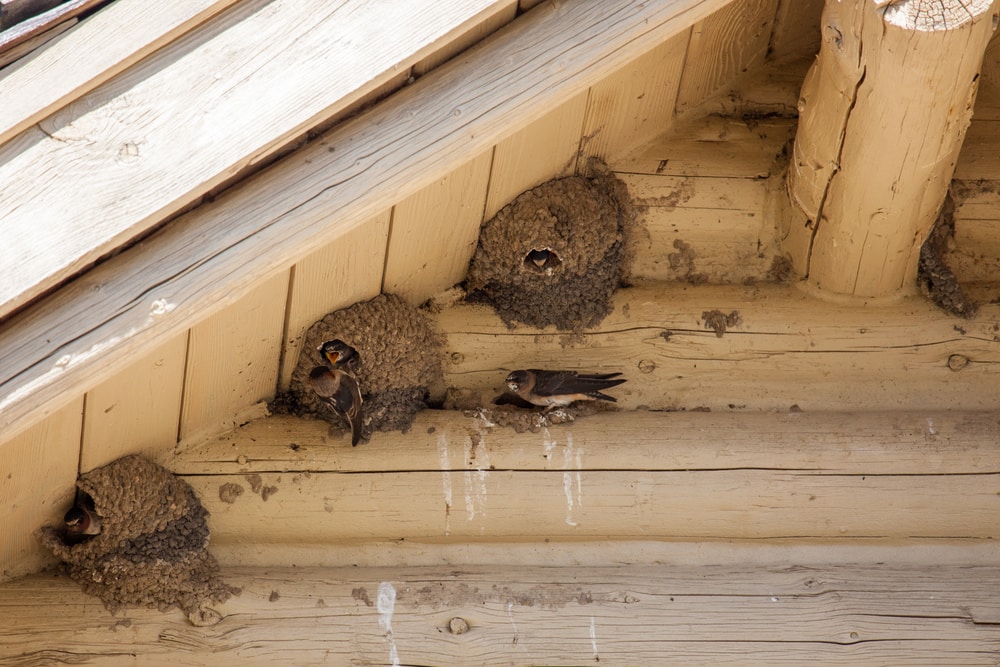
(542, 260)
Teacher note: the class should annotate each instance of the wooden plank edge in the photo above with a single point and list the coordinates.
(31, 94)
(44, 361)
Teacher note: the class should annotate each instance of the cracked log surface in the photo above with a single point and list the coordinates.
(788, 349)
(865, 187)
(454, 479)
(845, 613)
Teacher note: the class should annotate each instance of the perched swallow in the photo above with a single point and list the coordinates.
(340, 391)
(82, 520)
(557, 388)
(340, 355)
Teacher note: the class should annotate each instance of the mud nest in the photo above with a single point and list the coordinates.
(556, 254)
(152, 548)
(935, 277)
(400, 359)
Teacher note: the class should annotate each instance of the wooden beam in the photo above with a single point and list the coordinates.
(135, 131)
(787, 350)
(883, 113)
(745, 476)
(677, 612)
(83, 60)
(87, 331)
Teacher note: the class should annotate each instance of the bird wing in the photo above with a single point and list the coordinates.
(557, 383)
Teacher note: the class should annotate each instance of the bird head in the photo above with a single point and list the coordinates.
(517, 379)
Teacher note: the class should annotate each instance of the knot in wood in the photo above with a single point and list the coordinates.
(458, 626)
(957, 362)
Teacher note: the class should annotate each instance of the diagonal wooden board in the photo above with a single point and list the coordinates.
(135, 151)
(207, 259)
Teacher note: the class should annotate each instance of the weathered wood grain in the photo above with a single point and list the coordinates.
(780, 613)
(82, 60)
(37, 473)
(865, 191)
(611, 476)
(635, 104)
(787, 350)
(136, 129)
(849, 444)
(730, 41)
(261, 228)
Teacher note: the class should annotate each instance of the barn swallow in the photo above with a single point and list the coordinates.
(341, 393)
(340, 355)
(557, 388)
(82, 520)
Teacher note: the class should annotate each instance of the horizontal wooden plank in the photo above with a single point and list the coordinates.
(903, 443)
(679, 612)
(607, 476)
(82, 60)
(788, 349)
(713, 146)
(134, 131)
(87, 331)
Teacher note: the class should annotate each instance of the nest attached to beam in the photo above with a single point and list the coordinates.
(400, 359)
(556, 254)
(152, 550)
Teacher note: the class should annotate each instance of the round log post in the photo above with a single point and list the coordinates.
(882, 115)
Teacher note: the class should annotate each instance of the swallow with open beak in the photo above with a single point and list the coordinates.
(339, 390)
(82, 520)
(340, 355)
(559, 388)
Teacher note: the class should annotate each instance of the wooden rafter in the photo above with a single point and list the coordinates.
(175, 279)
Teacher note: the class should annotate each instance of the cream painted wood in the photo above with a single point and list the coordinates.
(865, 188)
(710, 229)
(138, 410)
(614, 476)
(785, 351)
(216, 101)
(210, 257)
(344, 272)
(37, 472)
(435, 231)
(84, 59)
(636, 104)
(778, 613)
(544, 149)
(850, 444)
(713, 146)
(732, 40)
(797, 30)
(232, 361)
